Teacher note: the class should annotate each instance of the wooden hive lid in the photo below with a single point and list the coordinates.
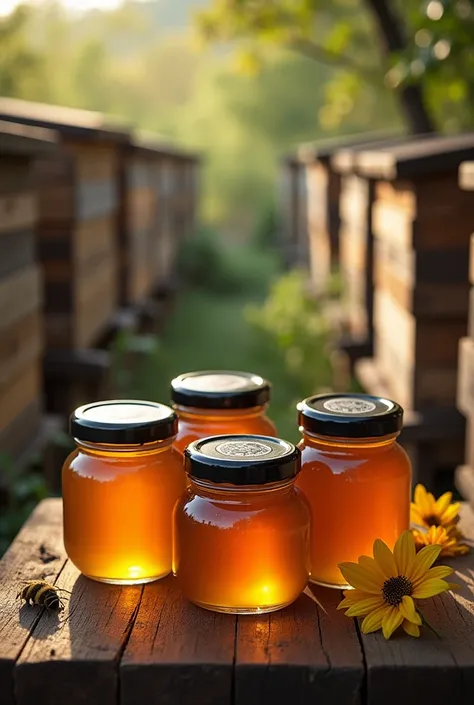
(69, 122)
(345, 160)
(466, 176)
(323, 150)
(26, 141)
(418, 157)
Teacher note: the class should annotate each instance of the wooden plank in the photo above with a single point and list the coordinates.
(19, 345)
(17, 251)
(94, 162)
(26, 560)
(20, 293)
(19, 393)
(94, 199)
(18, 434)
(299, 655)
(465, 387)
(56, 203)
(177, 653)
(77, 662)
(15, 174)
(18, 211)
(435, 670)
(31, 141)
(94, 237)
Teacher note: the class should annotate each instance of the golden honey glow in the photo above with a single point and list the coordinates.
(387, 585)
(241, 551)
(118, 512)
(194, 426)
(357, 491)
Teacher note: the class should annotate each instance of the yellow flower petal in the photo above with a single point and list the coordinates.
(373, 621)
(453, 586)
(423, 562)
(424, 500)
(450, 516)
(385, 559)
(391, 621)
(351, 597)
(416, 516)
(359, 578)
(404, 553)
(430, 588)
(411, 629)
(373, 569)
(439, 571)
(360, 609)
(408, 610)
(443, 502)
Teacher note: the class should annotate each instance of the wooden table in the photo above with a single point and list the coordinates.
(149, 646)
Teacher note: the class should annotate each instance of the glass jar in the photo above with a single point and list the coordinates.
(212, 403)
(241, 530)
(356, 477)
(119, 489)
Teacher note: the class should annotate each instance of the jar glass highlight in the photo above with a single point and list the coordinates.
(119, 489)
(213, 402)
(241, 530)
(356, 477)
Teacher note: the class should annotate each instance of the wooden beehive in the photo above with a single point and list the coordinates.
(465, 393)
(293, 212)
(78, 202)
(21, 289)
(422, 221)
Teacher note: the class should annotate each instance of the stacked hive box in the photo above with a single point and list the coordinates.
(293, 208)
(465, 398)
(422, 222)
(21, 290)
(76, 236)
(323, 216)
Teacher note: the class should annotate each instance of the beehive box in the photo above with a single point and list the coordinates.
(78, 202)
(293, 212)
(422, 221)
(323, 205)
(465, 393)
(21, 290)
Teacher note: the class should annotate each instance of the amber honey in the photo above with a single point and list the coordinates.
(212, 403)
(241, 542)
(119, 489)
(356, 477)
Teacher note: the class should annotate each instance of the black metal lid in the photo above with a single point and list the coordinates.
(350, 415)
(220, 389)
(242, 459)
(123, 422)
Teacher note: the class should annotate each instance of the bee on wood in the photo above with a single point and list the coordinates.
(39, 592)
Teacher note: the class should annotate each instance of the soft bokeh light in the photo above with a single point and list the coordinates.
(435, 10)
(442, 49)
(423, 38)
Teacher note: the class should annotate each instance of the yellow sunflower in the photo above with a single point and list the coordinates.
(450, 540)
(426, 511)
(387, 585)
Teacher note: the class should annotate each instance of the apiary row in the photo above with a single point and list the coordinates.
(91, 219)
(393, 218)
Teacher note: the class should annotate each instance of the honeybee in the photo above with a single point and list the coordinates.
(39, 592)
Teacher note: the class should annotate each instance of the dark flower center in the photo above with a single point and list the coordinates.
(394, 589)
(432, 520)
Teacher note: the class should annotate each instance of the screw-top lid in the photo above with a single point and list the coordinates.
(350, 415)
(123, 422)
(242, 460)
(220, 389)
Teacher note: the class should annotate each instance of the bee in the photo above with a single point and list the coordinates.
(39, 592)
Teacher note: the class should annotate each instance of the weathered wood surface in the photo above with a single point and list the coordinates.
(137, 645)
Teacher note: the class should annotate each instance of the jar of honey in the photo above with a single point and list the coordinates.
(241, 529)
(356, 477)
(213, 403)
(119, 489)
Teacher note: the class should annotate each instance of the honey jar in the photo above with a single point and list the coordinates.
(356, 477)
(119, 489)
(213, 402)
(241, 529)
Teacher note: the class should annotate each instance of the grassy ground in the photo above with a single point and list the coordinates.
(208, 330)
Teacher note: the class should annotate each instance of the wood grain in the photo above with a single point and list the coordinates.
(177, 653)
(20, 392)
(77, 662)
(24, 561)
(18, 211)
(299, 655)
(19, 345)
